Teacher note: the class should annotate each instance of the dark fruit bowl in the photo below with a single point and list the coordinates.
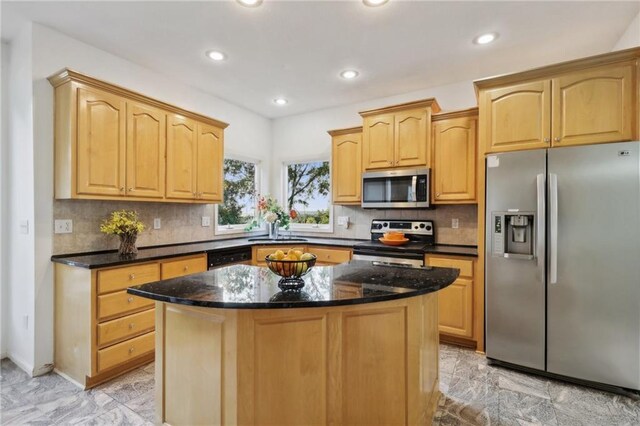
(291, 271)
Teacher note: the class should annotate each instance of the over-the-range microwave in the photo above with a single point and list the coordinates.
(395, 189)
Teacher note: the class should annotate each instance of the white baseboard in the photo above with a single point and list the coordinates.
(55, 370)
(27, 368)
(42, 370)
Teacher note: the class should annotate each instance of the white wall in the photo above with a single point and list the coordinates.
(304, 136)
(631, 36)
(18, 168)
(35, 55)
(4, 74)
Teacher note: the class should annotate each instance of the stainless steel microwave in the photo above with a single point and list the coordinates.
(395, 189)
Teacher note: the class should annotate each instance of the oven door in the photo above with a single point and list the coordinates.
(396, 189)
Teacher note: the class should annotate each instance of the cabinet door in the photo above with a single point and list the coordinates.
(209, 163)
(146, 131)
(100, 143)
(411, 138)
(346, 168)
(517, 117)
(181, 157)
(378, 142)
(454, 149)
(593, 106)
(455, 308)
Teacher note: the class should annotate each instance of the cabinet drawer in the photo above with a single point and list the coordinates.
(331, 255)
(120, 278)
(262, 252)
(181, 267)
(121, 328)
(465, 266)
(125, 351)
(120, 303)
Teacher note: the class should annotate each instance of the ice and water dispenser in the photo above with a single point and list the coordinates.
(513, 235)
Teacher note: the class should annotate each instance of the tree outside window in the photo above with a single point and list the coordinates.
(239, 207)
(308, 186)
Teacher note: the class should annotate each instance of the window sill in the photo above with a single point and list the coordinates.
(310, 229)
(231, 231)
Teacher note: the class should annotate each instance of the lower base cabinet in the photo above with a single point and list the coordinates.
(456, 320)
(101, 331)
(325, 255)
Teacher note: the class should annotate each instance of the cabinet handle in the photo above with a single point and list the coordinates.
(186, 268)
(130, 189)
(131, 326)
(132, 276)
(194, 194)
(131, 350)
(547, 140)
(130, 300)
(437, 194)
(556, 139)
(122, 189)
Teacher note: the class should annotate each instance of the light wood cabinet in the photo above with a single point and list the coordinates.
(330, 255)
(112, 143)
(101, 143)
(346, 165)
(259, 253)
(101, 330)
(582, 102)
(455, 303)
(398, 136)
(454, 157)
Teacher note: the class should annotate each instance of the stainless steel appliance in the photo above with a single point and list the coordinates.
(563, 262)
(396, 189)
(420, 233)
(219, 258)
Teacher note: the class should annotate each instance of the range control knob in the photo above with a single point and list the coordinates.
(385, 224)
(428, 227)
(376, 226)
(415, 227)
(421, 225)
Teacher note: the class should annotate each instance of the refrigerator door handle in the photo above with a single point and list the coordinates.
(553, 228)
(540, 225)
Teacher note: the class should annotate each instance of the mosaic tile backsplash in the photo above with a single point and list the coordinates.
(182, 223)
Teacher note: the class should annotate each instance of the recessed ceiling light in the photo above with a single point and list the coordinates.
(250, 3)
(374, 3)
(349, 74)
(215, 55)
(485, 38)
(280, 101)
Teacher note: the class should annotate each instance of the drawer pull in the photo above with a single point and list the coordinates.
(131, 350)
(130, 300)
(132, 276)
(131, 326)
(186, 268)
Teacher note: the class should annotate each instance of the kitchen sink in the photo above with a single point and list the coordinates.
(276, 240)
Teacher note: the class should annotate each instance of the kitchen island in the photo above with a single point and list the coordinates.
(357, 345)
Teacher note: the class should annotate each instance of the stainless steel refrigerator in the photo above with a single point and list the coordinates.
(563, 261)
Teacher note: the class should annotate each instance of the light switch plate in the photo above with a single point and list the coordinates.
(343, 221)
(63, 226)
(157, 223)
(455, 223)
(206, 220)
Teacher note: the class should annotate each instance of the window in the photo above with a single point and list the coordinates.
(239, 207)
(307, 192)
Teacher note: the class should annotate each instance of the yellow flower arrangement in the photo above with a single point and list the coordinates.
(122, 222)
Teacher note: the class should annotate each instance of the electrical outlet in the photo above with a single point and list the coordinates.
(157, 223)
(206, 220)
(24, 226)
(455, 223)
(63, 226)
(343, 221)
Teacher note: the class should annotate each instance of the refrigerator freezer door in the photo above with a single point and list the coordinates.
(515, 287)
(593, 317)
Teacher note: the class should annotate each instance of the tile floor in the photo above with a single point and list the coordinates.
(474, 393)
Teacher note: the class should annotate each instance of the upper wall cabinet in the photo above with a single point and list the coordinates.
(112, 143)
(587, 101)
(454, 157)
(346, 165)
(398, 136)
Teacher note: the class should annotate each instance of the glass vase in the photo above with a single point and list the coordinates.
(128, 244)
(273, 228)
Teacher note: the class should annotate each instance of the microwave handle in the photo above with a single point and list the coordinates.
(414, 183)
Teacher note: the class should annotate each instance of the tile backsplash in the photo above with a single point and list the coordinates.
(182, 223)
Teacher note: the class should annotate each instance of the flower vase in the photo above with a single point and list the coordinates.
(128, 244)
(273, 229)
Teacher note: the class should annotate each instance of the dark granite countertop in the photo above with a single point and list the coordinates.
(112, 258)
(253, 287)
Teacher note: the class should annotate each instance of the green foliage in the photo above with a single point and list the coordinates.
(306, 181)
(122, 222)
(320, 217)
(239, 192)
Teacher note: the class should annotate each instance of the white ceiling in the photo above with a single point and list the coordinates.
(296, 49)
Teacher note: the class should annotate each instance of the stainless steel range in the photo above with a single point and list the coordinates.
(421, 233)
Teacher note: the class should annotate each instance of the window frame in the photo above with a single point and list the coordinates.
(238, 228)
(307, 227)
